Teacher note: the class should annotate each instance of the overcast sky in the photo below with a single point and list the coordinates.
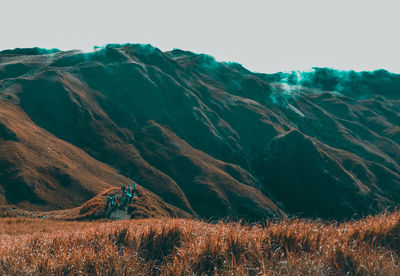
(264, 36)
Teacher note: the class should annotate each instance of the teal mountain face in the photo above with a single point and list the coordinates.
(212, 139)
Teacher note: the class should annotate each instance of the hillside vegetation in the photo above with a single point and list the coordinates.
(210, 139)
(370, 246)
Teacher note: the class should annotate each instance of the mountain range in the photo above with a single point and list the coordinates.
(207, 139)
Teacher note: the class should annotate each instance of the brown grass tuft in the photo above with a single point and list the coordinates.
(187, 247)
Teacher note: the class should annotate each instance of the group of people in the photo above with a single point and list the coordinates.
(128, 195)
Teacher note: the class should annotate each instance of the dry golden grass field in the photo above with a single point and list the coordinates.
(187, 247)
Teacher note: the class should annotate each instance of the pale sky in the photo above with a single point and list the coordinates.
(265, 36)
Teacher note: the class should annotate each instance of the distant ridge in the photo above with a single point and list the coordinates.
(212, 139)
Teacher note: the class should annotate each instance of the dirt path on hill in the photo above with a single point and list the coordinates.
(119, 215)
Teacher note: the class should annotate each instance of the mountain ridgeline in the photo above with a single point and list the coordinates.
(212, 139)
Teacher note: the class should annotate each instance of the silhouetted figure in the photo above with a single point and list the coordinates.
(109, 201)
(122, 201)
(129, 196)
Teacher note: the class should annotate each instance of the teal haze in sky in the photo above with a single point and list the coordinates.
(265, 36)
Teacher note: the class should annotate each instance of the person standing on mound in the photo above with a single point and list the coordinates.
(129, 195)
(108, 204)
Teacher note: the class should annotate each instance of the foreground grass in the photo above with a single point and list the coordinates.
(186, 247)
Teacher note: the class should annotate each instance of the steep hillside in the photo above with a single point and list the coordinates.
(211, 139)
